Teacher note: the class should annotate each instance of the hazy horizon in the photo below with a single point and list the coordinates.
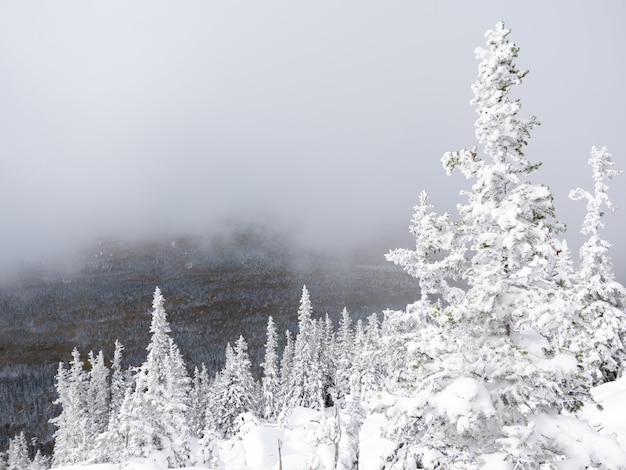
(320, 120)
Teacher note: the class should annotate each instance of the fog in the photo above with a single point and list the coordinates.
(321, 119)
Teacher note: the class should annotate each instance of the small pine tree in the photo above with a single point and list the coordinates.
(17, 458)
(109, 443)
(199, 401)
(286, 369)
(235, 391)
(118, 380)
(70, 437)
(344, 356)
(40, 462)
(270, 380)
(434, 235)
(601, 298)
(98, 392)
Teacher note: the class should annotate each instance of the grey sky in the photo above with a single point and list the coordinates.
(326, 118)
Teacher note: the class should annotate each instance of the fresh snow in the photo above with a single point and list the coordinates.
(257, 449)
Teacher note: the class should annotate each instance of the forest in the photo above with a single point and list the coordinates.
(491, 367)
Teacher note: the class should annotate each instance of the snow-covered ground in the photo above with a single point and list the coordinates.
(258, 449)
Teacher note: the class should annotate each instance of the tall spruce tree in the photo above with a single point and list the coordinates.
(155, 413)
(306, 383)
(489, 377)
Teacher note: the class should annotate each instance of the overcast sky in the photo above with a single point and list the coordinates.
(326, 118)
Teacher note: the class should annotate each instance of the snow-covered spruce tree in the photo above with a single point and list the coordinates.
(17, 455)
(488, 380)
(270, 381)
(153, 414)
(118, 380)
(434, 234)
(326, 358)
(199, 400)
(235, 392)
(176, 406)
(40, 462)
(344, 351)
(109, 442)
(98, 393)
(286, 368)
(306, 385)
(601, 298)
(71, 435)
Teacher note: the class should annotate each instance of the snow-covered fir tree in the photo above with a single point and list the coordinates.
(434, 234)
(235, 392)
(286, 368)
(70, 437)
(199, 400)
(109, 441)
(39, 462)
(344, 352)
(600, 297)
(306, 382)
(98, 393)
(153, 415)
(325, 357)
(17, 455)
(118, 380)
(270, 381)
(489, 377)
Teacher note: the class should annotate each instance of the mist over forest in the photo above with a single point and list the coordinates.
(322, 122)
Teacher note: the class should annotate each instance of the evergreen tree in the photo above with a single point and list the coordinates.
(176, 405)
(213, 411)
(286, 368)
(306, 385)
(235, 391)
(199, 400)
(327, 359)
(355, 414)
(97, 401)
(110, 443)
(601, 298)
(488, 369)
(434, 235)
(371, 372)
(270, 381)
(70, 437)
(154, 413)
(40, 462)
(344, 356)
(118, 380)
(17, 457)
